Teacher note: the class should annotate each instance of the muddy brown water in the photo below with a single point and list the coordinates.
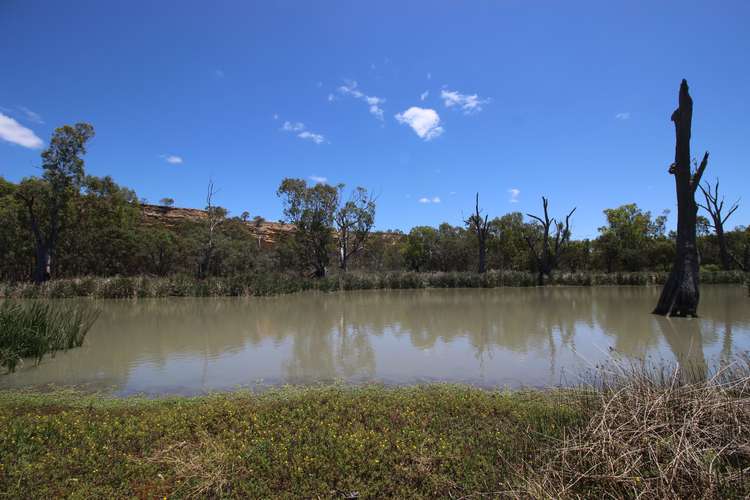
(509, 337)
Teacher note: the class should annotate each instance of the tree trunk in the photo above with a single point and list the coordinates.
(42, 265)
(726, 260)
(482, 256)
(680, 295)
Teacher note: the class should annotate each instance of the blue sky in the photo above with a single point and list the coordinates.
(425, 103)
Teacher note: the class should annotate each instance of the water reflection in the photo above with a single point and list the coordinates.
(489, 337)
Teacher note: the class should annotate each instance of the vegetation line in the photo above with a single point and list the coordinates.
(278, 284)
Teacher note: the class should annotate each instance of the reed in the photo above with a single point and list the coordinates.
(36, 329)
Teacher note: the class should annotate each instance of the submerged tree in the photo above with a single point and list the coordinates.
(715, 206)
(354, 220)
(311, 210)
(46, 199)
(546, 248)
(480, 226)
(680, 295)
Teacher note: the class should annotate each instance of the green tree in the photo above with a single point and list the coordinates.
(353, 220)
(311, 209)
(46, 201)
(628, 238)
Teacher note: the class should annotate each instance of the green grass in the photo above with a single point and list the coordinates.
(329, 442)
(634, 433)
(33, 330)
(275, 284)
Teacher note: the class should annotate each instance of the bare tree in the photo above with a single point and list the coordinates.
(479, 226)
(353, 221)
(680, 295)
(546, 249)
(214, 217)
(714, 206)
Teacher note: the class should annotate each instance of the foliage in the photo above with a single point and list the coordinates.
(312, 211)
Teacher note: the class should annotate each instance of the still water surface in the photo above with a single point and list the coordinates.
(502, 337)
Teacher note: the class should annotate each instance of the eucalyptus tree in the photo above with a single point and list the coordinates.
(46, 199)
(311, 209)
(353, 221)
(681, 295)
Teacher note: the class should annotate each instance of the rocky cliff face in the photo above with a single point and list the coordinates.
(268, 233)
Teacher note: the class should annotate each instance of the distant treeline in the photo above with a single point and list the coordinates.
(67, 224)
(105, 233)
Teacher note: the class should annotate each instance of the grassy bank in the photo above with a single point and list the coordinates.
(275, 284)
(624, 439)
(33, 330)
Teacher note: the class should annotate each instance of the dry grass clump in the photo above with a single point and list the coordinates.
(655, 435)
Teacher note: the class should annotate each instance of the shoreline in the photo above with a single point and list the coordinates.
(259, 285)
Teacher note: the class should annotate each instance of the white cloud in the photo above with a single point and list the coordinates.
(374, 103)
(469, 104)
(424, 95)
(331, 98)
(31, 115)
(623, 116)
(303, 132)
(275, 116)
(173, 159)
(429, 76)
(425, 122)
(426, 200)
(15, 133)
(293, 127)
(319, 179)
(514, 194)
(316, 138)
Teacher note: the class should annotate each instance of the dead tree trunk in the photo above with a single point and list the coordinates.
(680, 295)
(547, 256)
(480, 226)
(714, 206)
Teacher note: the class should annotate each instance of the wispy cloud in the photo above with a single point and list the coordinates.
(331, 97)
(293, 126)
(316, 138)
(303, 132)
(319, 179)
(625, 115)
(469, 104)
(514, 194)
(31, 116)
(15, 133)
(424, 122)
(219, 73)
(424, 95)
(429, 76)
(173, 159)
(374, 103)
(426, 200)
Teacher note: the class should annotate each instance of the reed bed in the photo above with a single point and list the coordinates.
(655, 433)
(35, 329)
(277, 284)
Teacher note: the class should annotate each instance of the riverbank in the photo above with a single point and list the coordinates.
(662, 439)
(277, 284)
